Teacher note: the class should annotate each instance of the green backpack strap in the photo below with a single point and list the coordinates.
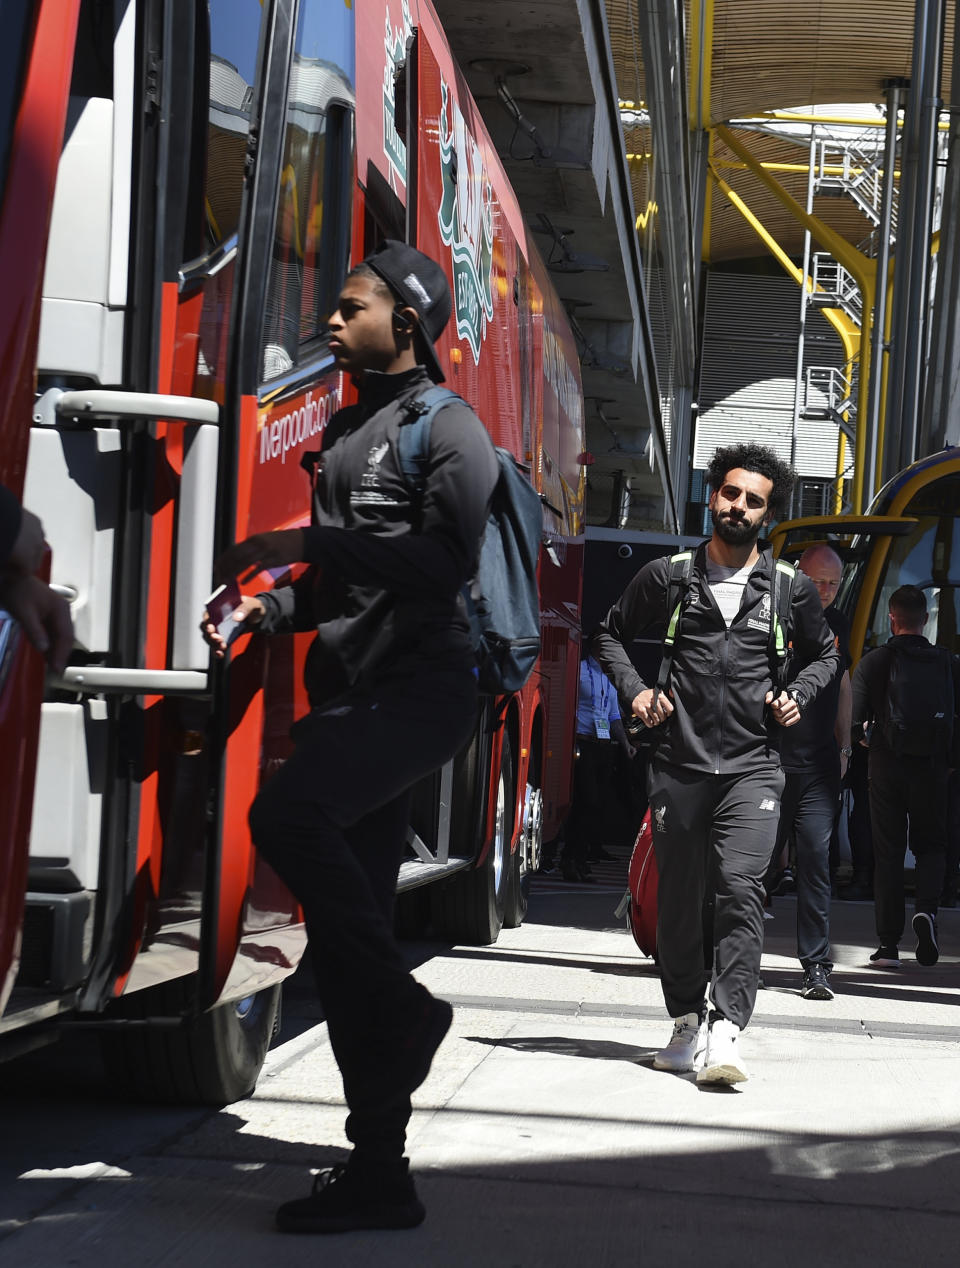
(782, 579)
(678, 585)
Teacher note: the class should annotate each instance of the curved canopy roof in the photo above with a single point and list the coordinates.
(746, 59)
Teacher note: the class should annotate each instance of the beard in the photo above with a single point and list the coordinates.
(735, 532)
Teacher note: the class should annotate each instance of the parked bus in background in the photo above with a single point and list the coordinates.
(911, 536)
(184, 187)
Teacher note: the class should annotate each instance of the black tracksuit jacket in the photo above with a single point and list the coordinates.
(387, 565)
(720, 724)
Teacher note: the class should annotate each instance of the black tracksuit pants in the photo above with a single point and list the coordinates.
(332, 823)
(809, 808)
(906, 790)
(592, 771)
(712, 832)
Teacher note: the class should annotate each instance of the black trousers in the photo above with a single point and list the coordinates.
(592, 790)
(859, 829)
(808, 808)
(712, 832)
(908, 802)
(332, 823)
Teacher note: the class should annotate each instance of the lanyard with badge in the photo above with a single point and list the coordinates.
(600, 725)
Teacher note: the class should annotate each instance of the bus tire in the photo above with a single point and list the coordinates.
(526, 859)
(211, 1059)
(469, 908)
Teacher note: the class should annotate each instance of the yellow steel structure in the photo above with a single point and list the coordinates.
(861, 268)
(775, 62)
(849, 332)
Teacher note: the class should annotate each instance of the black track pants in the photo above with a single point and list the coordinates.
(908, 795)
(332, 823)
(809, 807)
(712, 832)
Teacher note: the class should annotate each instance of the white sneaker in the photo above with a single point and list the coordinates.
(686, 1047)
(723, 1063)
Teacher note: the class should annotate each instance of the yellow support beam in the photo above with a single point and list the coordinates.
(862, 269)
(705, 237)
(848, 331)
(825, 169)
(843, 121)
(701, 62)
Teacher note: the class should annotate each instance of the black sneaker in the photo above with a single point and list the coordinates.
(925, 927)
(816, 983)
(886, 958)
(414, 1057)
(344, 1198)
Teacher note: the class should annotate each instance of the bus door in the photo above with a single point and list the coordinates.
(132, 466)
(38, 52)
(296, 235)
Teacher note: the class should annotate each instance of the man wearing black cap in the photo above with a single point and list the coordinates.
(393, 695)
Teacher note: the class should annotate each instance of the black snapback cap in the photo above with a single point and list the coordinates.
(421, 284)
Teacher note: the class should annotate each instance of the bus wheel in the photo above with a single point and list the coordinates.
(470, 906)
(526, 859)
(211, 1059)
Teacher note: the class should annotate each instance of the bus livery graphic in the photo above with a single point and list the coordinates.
(466, 223)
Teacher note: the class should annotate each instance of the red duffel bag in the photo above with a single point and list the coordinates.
(640, 901)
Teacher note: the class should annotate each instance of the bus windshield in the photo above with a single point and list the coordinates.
(927, 557)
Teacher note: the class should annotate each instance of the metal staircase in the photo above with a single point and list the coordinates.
(834, 287)
(847, 169)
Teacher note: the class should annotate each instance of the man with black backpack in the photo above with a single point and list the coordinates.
(392, 682)
(715, 779)
(906, 698)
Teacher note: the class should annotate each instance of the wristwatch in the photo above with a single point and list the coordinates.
(846, 752)
(798, 696)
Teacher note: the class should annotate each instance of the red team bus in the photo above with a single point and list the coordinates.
(184, 185)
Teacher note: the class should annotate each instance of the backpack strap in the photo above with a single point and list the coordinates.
(678, 587)
(783, 577)
(413, 446)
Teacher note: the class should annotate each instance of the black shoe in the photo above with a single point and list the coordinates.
(816, 983)
(413, 1058)
(786, 884)
(569, 870)
(886, 958)
(925, 927)
(345, 1197)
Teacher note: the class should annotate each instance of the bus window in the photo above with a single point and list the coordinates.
(234, 41)
(311, 243)
(929, 558)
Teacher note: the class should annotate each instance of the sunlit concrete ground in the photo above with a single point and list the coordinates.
(544, 1135)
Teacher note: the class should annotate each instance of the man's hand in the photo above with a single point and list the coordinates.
(649, 712)
(786, 711)
(44, 615)
(250, 612)
(260, 552)
(27, 553)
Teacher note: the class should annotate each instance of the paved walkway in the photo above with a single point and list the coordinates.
(545, 1137)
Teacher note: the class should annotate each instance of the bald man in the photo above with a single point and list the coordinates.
(814, 756)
